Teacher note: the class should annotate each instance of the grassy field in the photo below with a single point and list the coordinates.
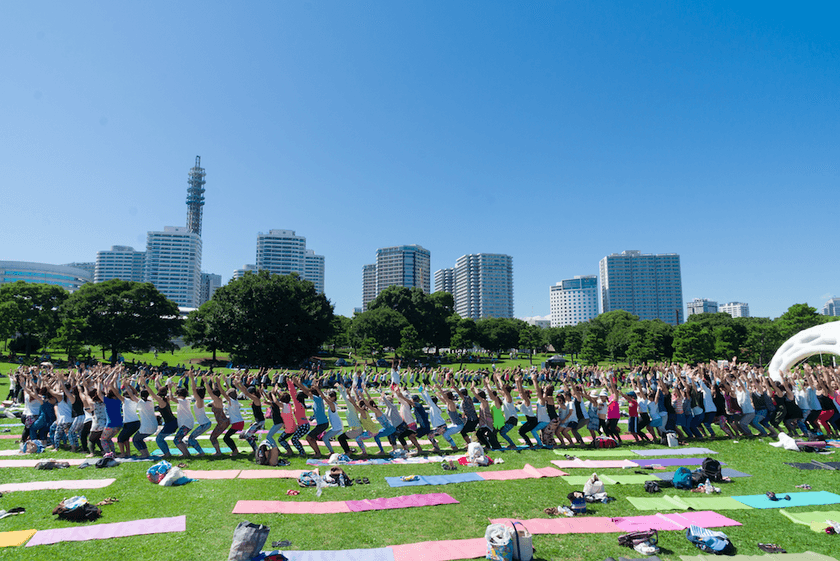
(208, 505)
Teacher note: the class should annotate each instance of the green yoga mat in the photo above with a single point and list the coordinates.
(806, 556)
(610, 453)
(675, 502)
(815, 519)
(608, 479)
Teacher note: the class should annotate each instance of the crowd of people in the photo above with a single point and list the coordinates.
(108, 409)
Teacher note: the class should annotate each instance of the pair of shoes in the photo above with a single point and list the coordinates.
(292, 492)
(645, 548)
(806, 486)
(108, 501)
(362, 481)
(283, 543)
(771, 548)
(449, 466)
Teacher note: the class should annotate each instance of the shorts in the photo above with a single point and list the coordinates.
(633, 424)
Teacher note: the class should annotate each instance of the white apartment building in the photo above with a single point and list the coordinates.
(735, 309)
(646, 285)
(121, 262)
(209, 283)
(483, 286)
(403, 265)
(832, 307)
(701, 306)
(282, 252)
(573, 300)
(368, 285)
(445, 280)
(173, 264)
(71, 278)
(239, 273)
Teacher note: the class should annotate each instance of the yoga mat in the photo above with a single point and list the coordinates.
(10, 436)
(9, 539)
(815, 519)
(527, 472)
(594, 464)
(272, 473)
(577, 525)
(212, 474)
(807, 498)
(446, 550)
(33, 463)
(113, 530)
(706, 519)
(670, 462)
(673, 452)
(435, 480)
(600, 453)
(389, 461)
(609, 479)
(800, 465)
(10, 453)
(380, 554)
(673, 521)
(805, 556)
(290, 507)
(675, 502)
(725, 472)
(48, 485)
(406, 501)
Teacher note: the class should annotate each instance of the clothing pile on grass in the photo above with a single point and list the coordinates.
(699, 480)
(163, 473)
(788, 443)
(593, 492)
(336, 477)
(77, 509)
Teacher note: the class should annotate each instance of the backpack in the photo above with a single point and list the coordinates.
(307, 479)
(709, 541)
(262, 455)
(604, 442)
(682, 478)
(711, 469)
(652, 487)
(635, 538)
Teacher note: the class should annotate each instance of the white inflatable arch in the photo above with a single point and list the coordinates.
(820, 339)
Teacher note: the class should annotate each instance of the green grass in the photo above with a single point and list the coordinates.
(210, 524)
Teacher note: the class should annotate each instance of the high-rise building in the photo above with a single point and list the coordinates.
(735, 309)
(368, 285)
(89, 266)
(121, 262)
(646, 285)
(209, 283)
(173, 264)
(483, 286)
(239, 273)
(195, 197)
(701, 306)
(832, 307)
(445, 280)
(65, 276)
(573, 300)
(403, 265)
(282, 252)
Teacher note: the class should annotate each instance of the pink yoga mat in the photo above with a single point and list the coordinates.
(272, 473)
(583, 525)
(594, 464)
(10, 453)
(212, 474)
(290, 507)
(649, 522)
(115, 530)
(674, 521)
(33, 463)
(10, 436)
(447, 550)
(48, 485)
(704, 518)
(406, 501)
(528, 472)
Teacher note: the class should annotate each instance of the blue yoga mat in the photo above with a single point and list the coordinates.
(381, 554)
(435, 480)
(725, 472)
(807, 498)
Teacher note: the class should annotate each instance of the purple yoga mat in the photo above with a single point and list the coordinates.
(114, 530)
(406, 501)
(670, 462)
(679, 451)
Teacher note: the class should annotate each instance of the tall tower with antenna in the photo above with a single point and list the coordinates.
(195, 197)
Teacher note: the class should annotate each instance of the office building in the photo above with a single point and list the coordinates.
(173, 264)
(445, 280)
(404, 265)
(65, 276)
(646, 285)
(573, 300)
(89, 266)
(239, 273)
(701, 306)
(735, 309)
(120, 262)
(282, 252)
(209, 283)
(483, 286)
(538, 321)
(368, 285)
(832, 307)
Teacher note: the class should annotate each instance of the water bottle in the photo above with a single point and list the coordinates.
(708, 487)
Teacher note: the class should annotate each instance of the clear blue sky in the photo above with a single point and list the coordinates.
(556, 132)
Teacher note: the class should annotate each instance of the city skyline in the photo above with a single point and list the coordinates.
(554, 133)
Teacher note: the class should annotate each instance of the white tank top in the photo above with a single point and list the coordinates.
(185, 418)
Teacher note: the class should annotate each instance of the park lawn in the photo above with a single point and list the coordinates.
(207, 505)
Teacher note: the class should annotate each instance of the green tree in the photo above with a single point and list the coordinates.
(641, 347)
(556, 337)
(617, 325)
(31, 310)
(270, 320)
(410, 345)
(693, 343)
(531, 338)
(573, 339)
(727, 342)
(762, 341)
(430, 315)
(594, 347)
(340, 337)
(498, 334)
(204, 329)
(797, 318)
(124, 316)
(69, 337)
(383, 324)
(465, 337)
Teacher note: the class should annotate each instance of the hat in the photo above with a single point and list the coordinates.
(631, 394)
(593, 393)
(604, 393)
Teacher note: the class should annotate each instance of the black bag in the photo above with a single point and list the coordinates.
(652, 487)
(81, 513)
(698, 477)
(635, 538)
(711, 468)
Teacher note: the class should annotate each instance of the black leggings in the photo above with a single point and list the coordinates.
(469, 427)
(530, 423)
(487, 437)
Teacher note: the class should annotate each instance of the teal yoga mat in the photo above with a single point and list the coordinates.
(807, 498)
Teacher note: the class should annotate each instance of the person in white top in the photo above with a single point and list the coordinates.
(131, 420)
(185, 421)
(201, 420)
